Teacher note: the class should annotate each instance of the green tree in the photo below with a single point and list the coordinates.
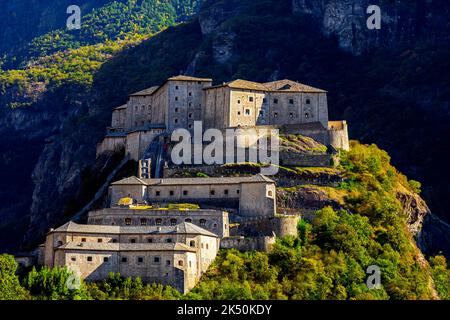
(10, 288)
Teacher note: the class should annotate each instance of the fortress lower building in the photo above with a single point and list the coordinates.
(171, 255)
(182, 100)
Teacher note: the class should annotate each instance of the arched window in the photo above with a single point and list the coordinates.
(188, 220)
(158, 222)
(270, 193)
(173, 222)
(203, 222)
(306, 115)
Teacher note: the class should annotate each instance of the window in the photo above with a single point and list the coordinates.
(270, 193)
(207, 246)
(158, 222)
(105, 259)
(168, 263)
(190, 104)
(132, 240)
(176, 109)
(212, 192)
(188, 220)
(238, 191)
(83, 239)
(247, 112)
(128, 221)
(114, 240)
(171, 192)
(124, 259)
(291, 101)
(156, 259)
(275, 115)
(158, 193)
(264, 100)
(150, 240)
(176, 98)
(261, 113)
(180, 263)
(169, 240)
(176, 87)
(238, 113)
(202, 222)
(190, 94)
(306, 115)
(215, 225)
(291, 115)
(89, 259)
(190, 264)
(175, 121)
(73, 259)
(185, 193)
(190, 115)
(250, 99)
(239, 101)
(173, 222)
(60, 243)
(190, 126)
(140, 260)
(143, 222)
(192, 243)
(275, 101)
(308, 101)
(225, 192)
(99, 240)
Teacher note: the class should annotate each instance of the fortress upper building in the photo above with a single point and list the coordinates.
(182, 100)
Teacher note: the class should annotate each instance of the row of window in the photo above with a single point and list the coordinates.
(275, 101)
(186, 192)
(275, 114)
(139, 260)
(173, 222)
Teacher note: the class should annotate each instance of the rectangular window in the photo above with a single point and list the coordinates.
(225, 192)
(124, 259)
(275, 101)
(185, 193)
(128, 221)
(156, 259)
(212, 192)
(105, 259)
(190, 94)
(143, 222)
(132, 240)
(89, 259)
(308, 101)
(140, 259)
(250, 99)
(99, 240)
(158, 193)
(171, 192)
(83, 239)
(150, 240)
(291, 101)
(247, 112)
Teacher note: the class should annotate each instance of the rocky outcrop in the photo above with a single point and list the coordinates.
(401, 21)
(415, 209)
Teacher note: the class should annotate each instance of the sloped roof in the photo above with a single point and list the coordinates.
(291, 86)
(129, 181)
(193, 181)
(241, 84)
(187, 78)
(124, 106)
(146, 92)
(182, 228)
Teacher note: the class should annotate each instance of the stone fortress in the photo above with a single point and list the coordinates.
(169, 230)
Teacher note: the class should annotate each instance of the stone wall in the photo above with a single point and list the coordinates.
(248, 244)
(281, 226)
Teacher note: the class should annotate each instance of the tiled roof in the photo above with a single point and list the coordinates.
(242, 84)
(121, 107)
(146, 92)
(95, 246)
(275, 86)
(182, 228)
(187, 78)
(291, 86)
(194, 181)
